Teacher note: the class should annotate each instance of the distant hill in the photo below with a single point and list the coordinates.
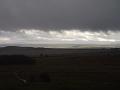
(30, 51)
(75, 46)
(15, 50)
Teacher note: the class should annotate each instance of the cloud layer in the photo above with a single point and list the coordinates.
(60, 14)
(74, 36)
(59, 21)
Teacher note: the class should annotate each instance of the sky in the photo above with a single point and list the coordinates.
(59, 21)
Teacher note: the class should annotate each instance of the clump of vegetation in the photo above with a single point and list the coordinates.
(42, 77)
(15, 59)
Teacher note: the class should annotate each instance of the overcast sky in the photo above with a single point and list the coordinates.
(59, 17)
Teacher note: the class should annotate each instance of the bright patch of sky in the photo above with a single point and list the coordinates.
(32, 36)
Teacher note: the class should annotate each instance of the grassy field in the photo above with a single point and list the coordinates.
(86, 72)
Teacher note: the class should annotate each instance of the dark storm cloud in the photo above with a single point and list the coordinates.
(60, 14)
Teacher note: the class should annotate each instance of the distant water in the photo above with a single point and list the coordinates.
(63, 45)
